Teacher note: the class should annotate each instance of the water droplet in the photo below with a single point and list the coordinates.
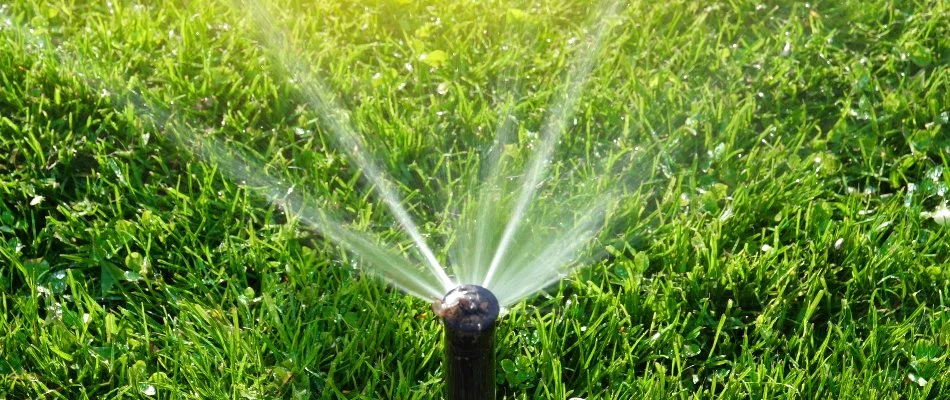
(146, 389)
(919, 380)
(935, 174)
(941, 215)
(726, 214)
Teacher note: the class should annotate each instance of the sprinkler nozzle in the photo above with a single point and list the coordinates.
(469, 313)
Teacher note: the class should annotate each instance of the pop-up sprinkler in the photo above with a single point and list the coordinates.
(469, 313)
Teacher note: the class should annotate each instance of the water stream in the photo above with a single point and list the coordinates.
(519, 231)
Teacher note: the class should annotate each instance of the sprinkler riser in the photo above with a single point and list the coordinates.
(470, 367)
(469, 314)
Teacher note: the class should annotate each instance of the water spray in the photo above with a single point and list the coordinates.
(469, 313)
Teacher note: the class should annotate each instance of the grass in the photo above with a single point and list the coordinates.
(783, 155)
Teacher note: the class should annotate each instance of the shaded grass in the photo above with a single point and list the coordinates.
(776, 247)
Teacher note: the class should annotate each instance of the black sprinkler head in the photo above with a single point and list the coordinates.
(469, 313)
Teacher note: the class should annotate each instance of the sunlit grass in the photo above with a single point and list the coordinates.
(781, 163)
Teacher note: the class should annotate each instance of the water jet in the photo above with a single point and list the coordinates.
(531, 248)
(469, 313)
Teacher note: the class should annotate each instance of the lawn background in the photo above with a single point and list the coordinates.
(775, 246)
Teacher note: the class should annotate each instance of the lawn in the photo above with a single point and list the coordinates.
(779, 170)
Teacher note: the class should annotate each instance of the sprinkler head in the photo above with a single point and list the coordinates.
(468, 309)
(469, 313)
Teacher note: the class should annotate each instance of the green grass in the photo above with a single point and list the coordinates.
(782, 154)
